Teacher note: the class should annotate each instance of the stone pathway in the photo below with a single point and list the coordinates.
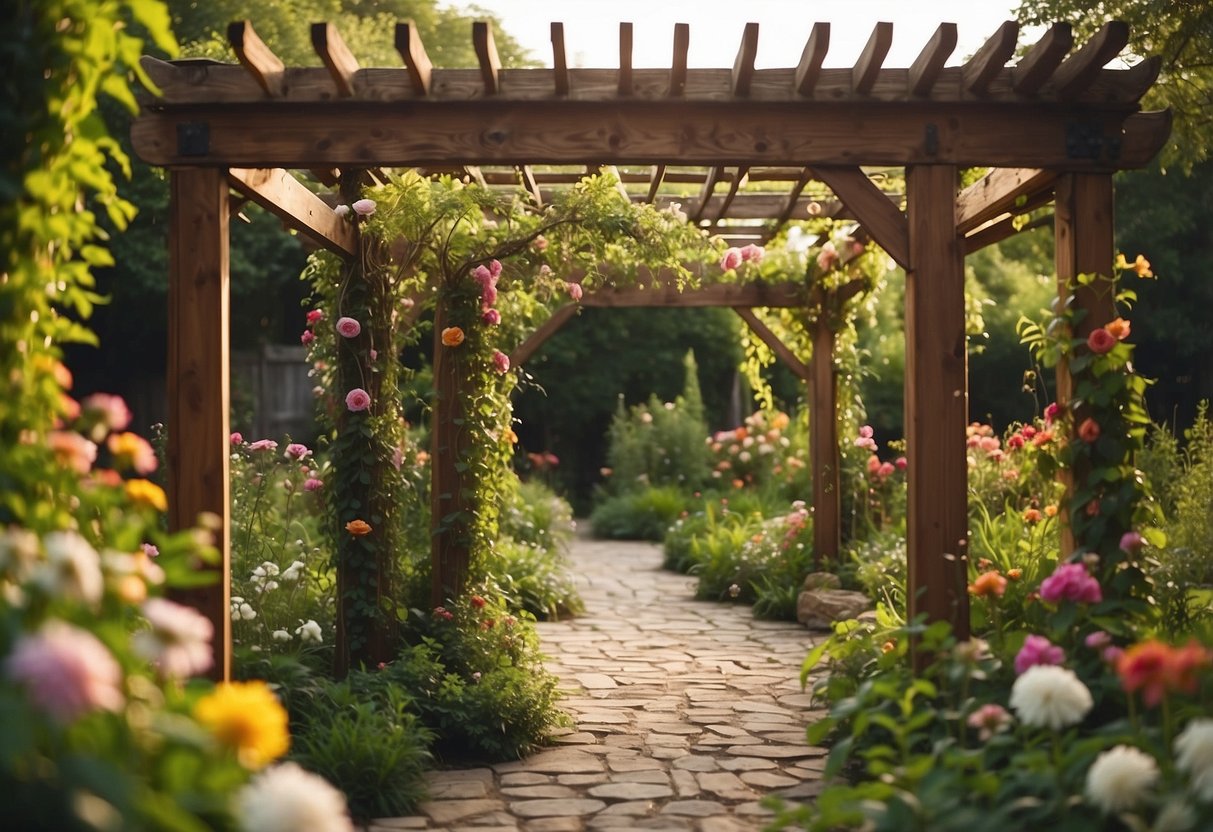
(686, 714)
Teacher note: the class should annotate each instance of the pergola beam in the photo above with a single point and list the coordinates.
(929, 63)
(416, 61)
(989, 60)
(883, 220)
(486, 55)
(1000, 191)
(523, 352)
(743, 65)
(778, 347)
(867, 68)
(809, 68)
(664, 294)
(1042, 59)
(336, 56)
(281, 194)
(262, 64)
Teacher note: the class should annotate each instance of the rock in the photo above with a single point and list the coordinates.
(821, 580)
(822, 607)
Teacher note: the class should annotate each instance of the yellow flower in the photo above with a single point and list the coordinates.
(246, 717)
(146, 493)
(358, 528)
(452, 336)
(510, 436)
(1140, 266)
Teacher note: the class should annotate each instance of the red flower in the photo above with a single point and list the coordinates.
(1101, 341)
(478, 602)
(1088, 431)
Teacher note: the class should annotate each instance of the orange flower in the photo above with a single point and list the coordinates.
(1088, 431)
(1185, 662)
(1148, 667)
(1119, 329)
(987, 584)
(1050, 511)
(452, 336)
(1014, 574)
(1032, 515)
(888, 647)
(358, 528)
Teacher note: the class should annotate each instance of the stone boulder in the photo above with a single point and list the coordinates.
(822, 580)
(819, 608)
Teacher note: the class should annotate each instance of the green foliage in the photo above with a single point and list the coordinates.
(756, 561)
(638, 515)
(531, 579)
(535, 515)
(705, 521)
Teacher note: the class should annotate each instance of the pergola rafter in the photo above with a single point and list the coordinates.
(1055, 126)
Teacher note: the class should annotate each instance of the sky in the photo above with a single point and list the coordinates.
(591, 28)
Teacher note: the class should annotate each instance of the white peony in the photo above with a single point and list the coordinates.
(1194, 756)
(72, 568)
(1120, 778)
(309, 631)
(286, 798)
(1047, 696)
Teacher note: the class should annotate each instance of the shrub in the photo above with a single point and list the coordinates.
(642, 515)
(679, 543)
(535, 514)
(531, 579)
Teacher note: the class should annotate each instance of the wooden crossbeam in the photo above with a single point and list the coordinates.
(283, 195)
(523, 352)
(1143, 138)
(655, 181)
(705, 193)
(998, 231)
(929, 63)
(412, 52)
(999, 192)
(989, 60)
(625, 59)
(781, 350)
(486, 54)
(809, 68)
(882, 219)
(1045, 56)
(1081, 69)
(678, 64)
(743, 65)
(337, 58)
(260, 61)
(793, 199)
(867, 68)
(664, 294)
(560, 65)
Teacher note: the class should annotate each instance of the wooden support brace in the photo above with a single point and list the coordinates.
(678, 64)
(283, 195)
(560, 64)
(655, 181)
(1081, 69)
(867, 68)
(528, 182)
(523, 352)
(809, 68)
(883, 220)
(486, 54)
(781, 350)
(705, 193)
(731, 195)
(1045, 56)
(256, 57)
(792, 199)
(416, 61)
(743, 65)
(1000, 191)
(929, 64)
(989, 60)
(337, 58)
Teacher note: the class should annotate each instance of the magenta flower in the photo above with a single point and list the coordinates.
(501, 361)
(574, 290)
(150, 549)
(1052, 412)
(1131, 542)
(179, 642)
(1038, 650)
(307, 337)
(1071, 582)
(357, 400)
(295, 450)
(315, 315)
(263, 445)
(901, 463)
(491, 317)
(364, 207)
(752, 253)
(312, 484)
(495, 269)
(237, 438)
(731, 259)
(1098, 640)
(483, 276)
(66, 672)
(348, 328)
(488, 295)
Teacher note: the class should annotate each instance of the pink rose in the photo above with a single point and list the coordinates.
(501, 361)
(296, 450)
(315, 315)
(540, 243)
(827, 258)
(901, 463)
(364, 207)
(1131, 541)
(66, 672)
(1101, 341)
(373, 354)
(1038, 650)
(1052, 412)
(491, 317)
(873, 464)
(307, 337)
(483, 276)
(357, 400)
(312, 484)
(1070, 582)
(574, 290)
(495, 269)
(348, 328)
(885, 469)
(731, 259)
(150, 549)
(236, 438)
(752, 253)
(488, 296)
(263, 445)
(342, 210)
(1098, 640)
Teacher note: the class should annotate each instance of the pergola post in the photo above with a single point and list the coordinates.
(198, 389)
(823, 445)
(936, 401)
(1084, 244)
(450, 556)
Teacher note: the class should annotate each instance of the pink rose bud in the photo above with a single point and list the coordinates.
(237, 438)
(730, 260)
(574, 290)
(491, 317)
(307, 337)
(357, 400)
(315, 315)
(501, 361)
(348, 327)
(364, 207)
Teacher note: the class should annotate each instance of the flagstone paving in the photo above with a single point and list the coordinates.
(686, 714)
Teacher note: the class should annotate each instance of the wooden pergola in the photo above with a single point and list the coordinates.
(1054, 127)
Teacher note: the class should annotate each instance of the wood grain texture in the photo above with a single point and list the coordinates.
(743, 64)
(824, 456)
(281, 194)
(988, 61)
(336, 57)
(623, 87)
(936, 402)
(1005, 228)
(867, 68)
(263, 65)
(524, 351)
(678, 62)
(1083, 67)
(781, 350)
(997, 193)
(486, 54)
(809, 69)
(199, 327)
(560, 63)
(929, 64)
(450, 557)
(1046, 55)
(627, 132)
(882, 219)
(416, 62)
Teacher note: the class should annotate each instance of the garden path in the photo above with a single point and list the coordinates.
(686, 714)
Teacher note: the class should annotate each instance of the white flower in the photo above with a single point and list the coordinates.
(1047, 696)
(1119, 778)
(291, 573)
(309, 631)
(281, 635)
(1176, 816)
(179, 642)
(18, 552)
(341, 210)
(244, 611)
(1194, 755)
(286, 798)
(72, 568)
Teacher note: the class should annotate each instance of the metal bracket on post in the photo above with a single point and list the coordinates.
(1087, 140)
(193, 138)
(931, 140)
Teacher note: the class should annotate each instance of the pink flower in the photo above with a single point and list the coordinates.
(237, 438)
(574, 290)
(885, 469)
(373, 354)
(873, 464)
(827, 258)
(342, 210)
(1131, 542)
(1070, 582)
(307, 337)
(312, 484)
(989, 720)
(66, 672)
(540, 243)
(315, 315)
(495, 269)
(1098, 640)
(483, 276)
(263, 445)
(865, 439)
(1101, 341)
(752, 253)
(150, 549)
(501, 361)
(491, 317)
(364, 207)
(731, 259)
(1038, 650)
(901, 463)
(179, 642)
(295, 450)
(348, 328)
(110, 410)
(1052, 412)
(488, 295)
(357, 400)
(1088, 431)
